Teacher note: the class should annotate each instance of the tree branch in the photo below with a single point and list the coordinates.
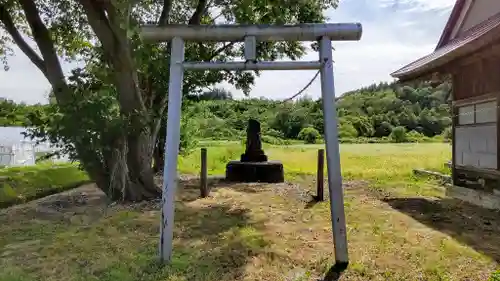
(41, 35)
(116, 45)
(198, 13)
(9, 25)
(100, 24)
(165, 13)
(220, 50)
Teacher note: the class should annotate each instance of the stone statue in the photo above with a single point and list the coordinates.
(254, 166)
(253, 151)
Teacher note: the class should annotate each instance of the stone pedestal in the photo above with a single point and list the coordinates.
(254, 166)
(259, 156)
(269, 172)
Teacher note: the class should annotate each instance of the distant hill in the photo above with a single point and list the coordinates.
(418, 107)
(371, 112)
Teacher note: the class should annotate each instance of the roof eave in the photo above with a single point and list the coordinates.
(415, 76)
(425, 70)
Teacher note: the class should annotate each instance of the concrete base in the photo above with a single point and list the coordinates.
(476, 197)
(270, 171)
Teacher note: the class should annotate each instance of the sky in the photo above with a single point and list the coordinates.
(395, 32)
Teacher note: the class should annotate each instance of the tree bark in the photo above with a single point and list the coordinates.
(127, 174)
(140, 163)
(159, 154)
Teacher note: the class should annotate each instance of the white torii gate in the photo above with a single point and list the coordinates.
(250, 34)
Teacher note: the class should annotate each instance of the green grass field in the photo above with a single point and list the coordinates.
(387, 165)
(399, 227)
(21, 184)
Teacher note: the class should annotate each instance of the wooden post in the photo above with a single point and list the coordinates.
(203, 174)
(320, 175)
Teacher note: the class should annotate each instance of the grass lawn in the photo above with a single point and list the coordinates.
(21, 184)
(399, 227)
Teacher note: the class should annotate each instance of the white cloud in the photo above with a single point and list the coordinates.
(395, 32)
(418, 5)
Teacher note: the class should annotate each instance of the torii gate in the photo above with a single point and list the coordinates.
(250, 34)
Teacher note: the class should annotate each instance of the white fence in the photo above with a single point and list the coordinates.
(21, 154)
(15, 150)
(25, 154)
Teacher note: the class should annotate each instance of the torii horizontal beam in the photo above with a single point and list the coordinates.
(262, 33)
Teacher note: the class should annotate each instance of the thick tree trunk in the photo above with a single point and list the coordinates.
(139, 160)
(126, 174)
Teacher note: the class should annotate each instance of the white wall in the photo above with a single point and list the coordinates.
(476, 146)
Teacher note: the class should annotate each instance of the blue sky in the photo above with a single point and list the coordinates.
(395, 32)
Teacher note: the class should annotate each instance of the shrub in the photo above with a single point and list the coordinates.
(272, 140)
(309, 135)
(398, 134)
(347, 130)
(414, 136)
(274, 133)
(383, 130)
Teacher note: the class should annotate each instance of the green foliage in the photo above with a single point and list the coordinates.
(495, 276)
(383, 129)
(99, 121)
(398, 134)
(347, 130)
(189, 131)
(274, 140)
(13, 114)
(218, 117)
(309, 135)
(414, 136)
(377, 109)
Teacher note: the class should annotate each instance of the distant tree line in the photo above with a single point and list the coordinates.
(16, 114)
(378, 113)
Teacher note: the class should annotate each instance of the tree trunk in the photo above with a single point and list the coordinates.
(139, 160)
(127, 174)
(159, 153)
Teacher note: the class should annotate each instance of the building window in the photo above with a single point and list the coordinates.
(479, 113)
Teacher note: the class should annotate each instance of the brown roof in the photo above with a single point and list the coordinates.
(470, 41)
(452, 21)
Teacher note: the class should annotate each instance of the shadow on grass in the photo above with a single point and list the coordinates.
(314, 200)
(335, 272)
(211, 242)
(213, 184)
(472, 225)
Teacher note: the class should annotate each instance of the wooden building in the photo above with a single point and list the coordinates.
(468, 54)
